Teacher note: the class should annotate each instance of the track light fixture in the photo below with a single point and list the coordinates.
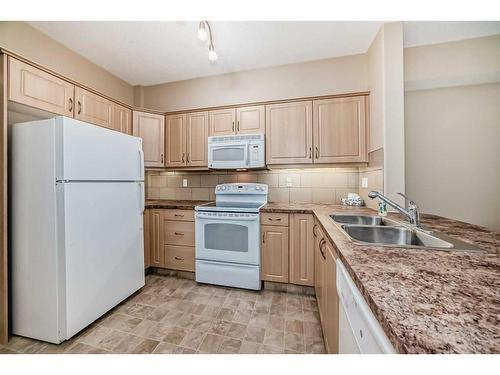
(204, 33)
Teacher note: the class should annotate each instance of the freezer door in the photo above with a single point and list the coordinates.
(90, 152)
(103, 239)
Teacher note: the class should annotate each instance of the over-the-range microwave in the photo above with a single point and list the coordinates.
(236, 151)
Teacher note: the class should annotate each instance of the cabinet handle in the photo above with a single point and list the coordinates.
(187, 157)
(79, 107)
(314, 230)
(263, 238)
(238, 128)
(70, 104)
(178, 258)
(179, 233)
(183, 157)
(179, 215)
(162, 158)
(321, 243)
(317, 152)
(233, 126)
(277, 219)
(310, 152)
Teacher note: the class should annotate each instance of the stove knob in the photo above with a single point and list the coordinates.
(223, 188)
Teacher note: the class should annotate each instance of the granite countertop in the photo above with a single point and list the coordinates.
(173, 204)
(426, 300)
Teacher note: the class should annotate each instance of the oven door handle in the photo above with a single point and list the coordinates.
(226, 218)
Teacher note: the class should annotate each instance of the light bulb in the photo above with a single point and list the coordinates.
(212, 55)
(202, 32)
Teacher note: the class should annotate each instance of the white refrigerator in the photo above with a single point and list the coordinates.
(76, 224)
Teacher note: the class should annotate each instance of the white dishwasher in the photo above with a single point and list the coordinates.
(359, 330)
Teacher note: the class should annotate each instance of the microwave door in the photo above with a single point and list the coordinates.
(229, 156)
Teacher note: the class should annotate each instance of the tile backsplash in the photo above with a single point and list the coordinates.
(305, 185)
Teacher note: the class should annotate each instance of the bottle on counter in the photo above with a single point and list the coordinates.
(382, 208)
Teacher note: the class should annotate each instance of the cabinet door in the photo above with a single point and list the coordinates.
(319, 260)
(176, 140)
(331, 322)
(122, 119)
(147, 238)
(93, 108)
(251, 120)
(340, 130)
(155, 239)
(222, 122)
(196, 139)
(274, 253)
(289, 133)
(151, 128)
(302, 249)
(36, 88)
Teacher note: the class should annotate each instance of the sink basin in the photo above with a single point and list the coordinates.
(396, 236)
(363, 220)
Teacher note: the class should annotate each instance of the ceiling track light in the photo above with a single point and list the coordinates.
(204, 33)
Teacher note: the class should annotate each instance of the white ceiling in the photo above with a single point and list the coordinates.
(148, 53)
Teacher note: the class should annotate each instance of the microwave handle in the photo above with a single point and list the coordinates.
(248, 154)
(226, 218)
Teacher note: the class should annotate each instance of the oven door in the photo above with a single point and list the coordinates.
(228, 237)
(228, 156)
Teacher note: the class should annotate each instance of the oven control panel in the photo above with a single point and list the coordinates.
(241, 188)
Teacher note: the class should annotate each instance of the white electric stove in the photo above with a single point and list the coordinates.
(228, 236)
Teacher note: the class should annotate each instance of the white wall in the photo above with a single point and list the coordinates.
(323, 77)
(452, 123)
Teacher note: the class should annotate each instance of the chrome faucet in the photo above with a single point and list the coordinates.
(411, 213)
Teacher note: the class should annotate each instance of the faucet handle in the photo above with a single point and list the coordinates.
(411, 202)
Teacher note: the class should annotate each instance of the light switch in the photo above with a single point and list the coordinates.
(364, 182)
(184, 182)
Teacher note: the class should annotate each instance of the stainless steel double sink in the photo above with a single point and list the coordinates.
(381, 231)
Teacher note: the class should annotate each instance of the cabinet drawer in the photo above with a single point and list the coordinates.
(178, 215)
(179, 257)
(274, 219)
(178, 233)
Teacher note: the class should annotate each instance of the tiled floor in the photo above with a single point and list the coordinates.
(171, 315)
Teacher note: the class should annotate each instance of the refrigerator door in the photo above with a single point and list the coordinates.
(102, 235)
(88, 152)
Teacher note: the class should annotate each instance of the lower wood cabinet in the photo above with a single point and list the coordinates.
(147, 238)
(274, 253)
(169, 237)
(155, 238)
(331, 309)
(302, 249)
(319, 268)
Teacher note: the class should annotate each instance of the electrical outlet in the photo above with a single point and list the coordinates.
(364, 182)
(184, 182)
(289, 181)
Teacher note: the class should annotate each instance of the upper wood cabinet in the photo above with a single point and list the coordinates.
(36, 88)
(340, 130)
(93, 108)
(251, 120)
(187, 136)
(151, 128)
(274, 253)
(175, 129)
(301, 249)
(196, 139)
(241, 120)
(122, 119)
(222, 122)
(289, 133)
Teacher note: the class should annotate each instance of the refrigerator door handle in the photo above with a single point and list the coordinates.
(142, 197)
(141, 164)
